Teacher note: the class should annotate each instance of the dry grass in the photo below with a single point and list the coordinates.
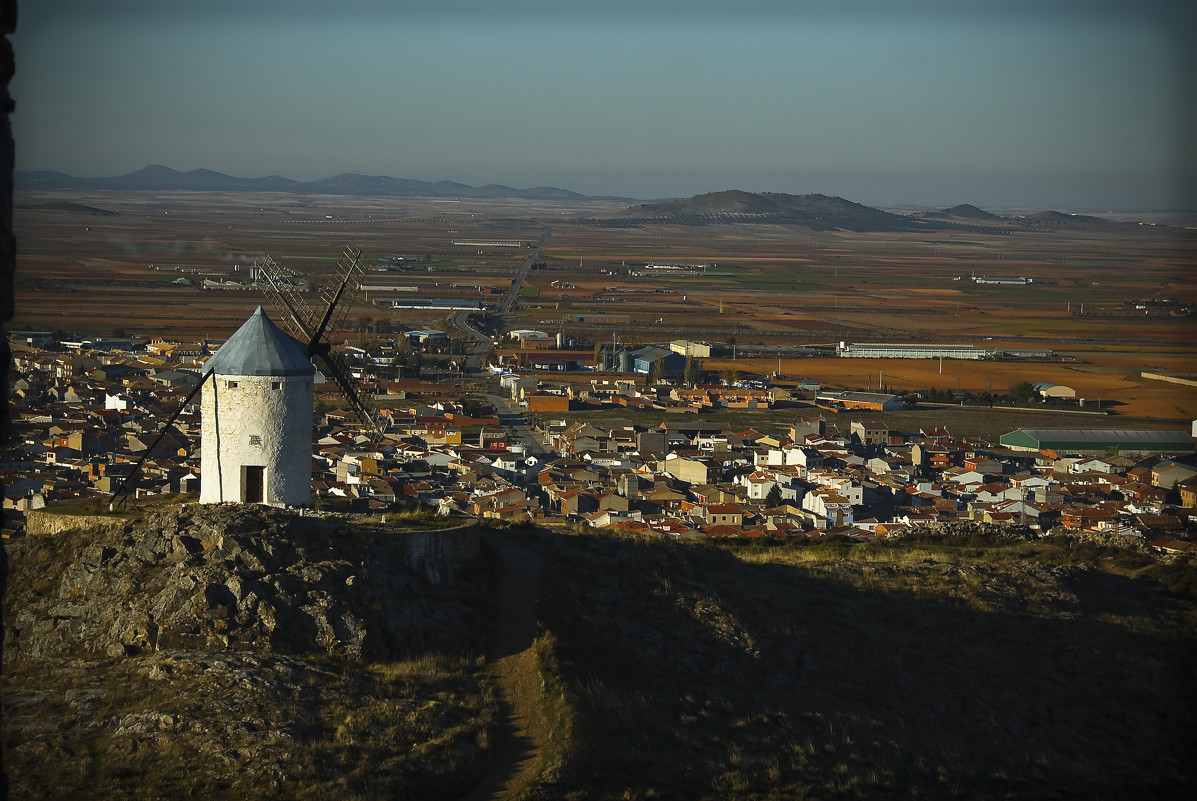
(839, 671)
(106, 729)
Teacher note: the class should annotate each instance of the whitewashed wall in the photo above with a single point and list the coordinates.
(280, 419)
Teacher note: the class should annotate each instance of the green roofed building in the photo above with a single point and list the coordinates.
(1099, 440)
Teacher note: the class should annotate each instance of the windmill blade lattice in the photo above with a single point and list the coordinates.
(359, 404)
(348, 282)
(284, 296)
(311, 325)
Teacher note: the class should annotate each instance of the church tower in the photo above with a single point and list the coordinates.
(256, 419)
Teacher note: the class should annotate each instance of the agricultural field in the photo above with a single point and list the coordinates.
(1106, 297)
(84, 260)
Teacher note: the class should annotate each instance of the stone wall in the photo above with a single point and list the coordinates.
(429, 552)
(40, 523)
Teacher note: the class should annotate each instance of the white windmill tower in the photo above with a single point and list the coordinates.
(257, 402)
(256, 419)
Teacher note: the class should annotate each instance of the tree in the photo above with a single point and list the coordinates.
(598, 354)
(657, 371)
(1023, 393)
(475, 407)
(693, 372)
(773, 498)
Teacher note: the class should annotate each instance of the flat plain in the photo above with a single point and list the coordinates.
(1108, 297)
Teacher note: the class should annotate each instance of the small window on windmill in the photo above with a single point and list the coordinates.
(255, 440)
(276, 384)
(232, 384)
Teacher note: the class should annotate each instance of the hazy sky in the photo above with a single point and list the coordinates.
(1074, 105)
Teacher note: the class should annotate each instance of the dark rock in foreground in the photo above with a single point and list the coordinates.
(231, 651)
(233, 577)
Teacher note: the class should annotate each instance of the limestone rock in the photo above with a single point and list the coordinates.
(229, 577)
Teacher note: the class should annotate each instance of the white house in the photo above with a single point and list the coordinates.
(830, 507)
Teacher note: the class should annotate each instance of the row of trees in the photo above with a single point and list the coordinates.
(1021, 394)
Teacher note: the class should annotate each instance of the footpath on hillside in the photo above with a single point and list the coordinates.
(523, 732)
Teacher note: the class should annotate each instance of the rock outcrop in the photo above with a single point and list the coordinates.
(231, 577)
(226, 651)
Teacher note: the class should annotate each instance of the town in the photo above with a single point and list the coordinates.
(527, 447)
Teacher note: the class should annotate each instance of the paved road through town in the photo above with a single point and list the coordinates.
(510, 415)
(472, 364)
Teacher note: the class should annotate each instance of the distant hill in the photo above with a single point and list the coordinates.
(967, 217)
(967, 211)
(819, 212)
(66, 205)
(155, 177)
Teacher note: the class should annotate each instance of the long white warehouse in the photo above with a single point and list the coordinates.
(885, 350)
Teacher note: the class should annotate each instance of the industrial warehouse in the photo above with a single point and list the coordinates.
(867, 401)
(883, 350)
(1098, 440)
(896, 350)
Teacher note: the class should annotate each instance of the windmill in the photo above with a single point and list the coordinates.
(310, 324)
(260, 352)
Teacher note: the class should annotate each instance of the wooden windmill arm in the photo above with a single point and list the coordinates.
(337, 373)
(122, 494)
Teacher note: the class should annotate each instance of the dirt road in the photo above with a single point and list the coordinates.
(517, 757)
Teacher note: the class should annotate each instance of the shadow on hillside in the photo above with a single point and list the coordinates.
(692, 670)
(516, 594)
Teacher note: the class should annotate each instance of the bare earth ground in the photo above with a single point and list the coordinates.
(1117, 379)
(518, 756)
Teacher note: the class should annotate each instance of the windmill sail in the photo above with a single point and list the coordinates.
(312, 325)
(121, 496)
(284, 296)
(348, 280)
(359, 404)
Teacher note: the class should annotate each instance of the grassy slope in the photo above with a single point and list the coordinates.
(834, 672)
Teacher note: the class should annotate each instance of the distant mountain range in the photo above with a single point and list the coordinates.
(818, 212)
(158, 178)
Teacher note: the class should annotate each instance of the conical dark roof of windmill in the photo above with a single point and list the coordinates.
(260, 348)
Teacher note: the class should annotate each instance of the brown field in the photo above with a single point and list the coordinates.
(85, 271)
(771, 286)
(1124, 393)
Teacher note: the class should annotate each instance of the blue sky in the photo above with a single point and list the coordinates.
(1073, 105)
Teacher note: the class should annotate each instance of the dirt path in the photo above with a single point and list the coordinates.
(522, 735)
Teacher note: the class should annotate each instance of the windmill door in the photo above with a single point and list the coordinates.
(255, 483)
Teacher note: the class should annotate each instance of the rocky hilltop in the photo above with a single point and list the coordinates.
(245, 640)
(232, 652)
